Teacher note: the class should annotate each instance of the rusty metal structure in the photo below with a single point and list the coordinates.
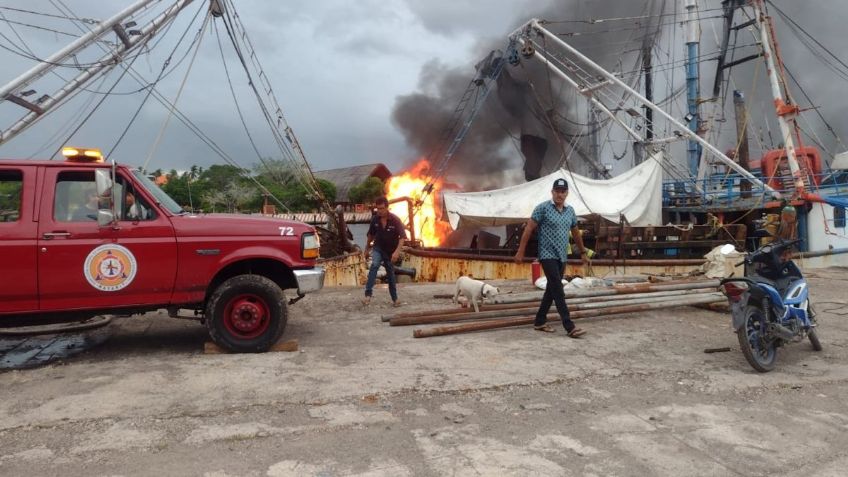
(446, 265)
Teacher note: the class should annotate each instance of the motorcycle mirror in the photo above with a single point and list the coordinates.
(727, 249)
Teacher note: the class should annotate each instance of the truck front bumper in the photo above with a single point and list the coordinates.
(309, 281)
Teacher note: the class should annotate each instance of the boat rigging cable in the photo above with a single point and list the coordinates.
(128, 69)
(161, 72)
(280, 129)
(76, 65)
(270, 169)
(96, 107)
(587, 79)
(190, 124)
(800, 33)
(90, 21)
(120, 51)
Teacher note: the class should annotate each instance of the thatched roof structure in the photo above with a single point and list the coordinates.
(346, 177)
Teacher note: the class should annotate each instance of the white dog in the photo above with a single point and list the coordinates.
(474, 291)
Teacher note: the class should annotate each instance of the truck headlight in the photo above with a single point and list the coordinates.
(309, 245)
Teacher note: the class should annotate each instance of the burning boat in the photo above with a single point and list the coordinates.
(660, 215)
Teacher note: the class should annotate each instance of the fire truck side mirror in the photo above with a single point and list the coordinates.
(105, 217)
(103, 183)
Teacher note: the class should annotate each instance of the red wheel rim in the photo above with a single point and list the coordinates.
(246, 316)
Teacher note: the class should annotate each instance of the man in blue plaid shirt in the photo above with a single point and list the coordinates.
(555, 221)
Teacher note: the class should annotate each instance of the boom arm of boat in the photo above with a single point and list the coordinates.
(833, 201)
(524, 35)
(115, 53)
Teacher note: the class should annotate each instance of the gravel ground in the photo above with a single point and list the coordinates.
(638, 396)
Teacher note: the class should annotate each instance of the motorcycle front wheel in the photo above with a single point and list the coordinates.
(814, 340)
(759, 349)
(813, 335)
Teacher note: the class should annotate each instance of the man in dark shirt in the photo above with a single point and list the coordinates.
(387, 234)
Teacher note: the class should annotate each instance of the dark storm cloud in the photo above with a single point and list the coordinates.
(335, 68)
(519, 109)
(422, 114)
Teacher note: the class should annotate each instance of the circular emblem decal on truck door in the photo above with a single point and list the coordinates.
(110, 267)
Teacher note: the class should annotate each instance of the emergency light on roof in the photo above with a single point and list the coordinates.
(78, 154)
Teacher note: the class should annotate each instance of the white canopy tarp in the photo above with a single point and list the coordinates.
(637, 194)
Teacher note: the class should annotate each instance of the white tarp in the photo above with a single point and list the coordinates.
(637, 194)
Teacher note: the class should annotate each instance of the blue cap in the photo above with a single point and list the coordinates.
(560, 184)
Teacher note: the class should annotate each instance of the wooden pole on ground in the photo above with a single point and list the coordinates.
(527, 320)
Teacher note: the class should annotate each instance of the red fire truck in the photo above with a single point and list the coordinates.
(83, 237)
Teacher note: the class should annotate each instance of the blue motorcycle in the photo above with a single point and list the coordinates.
(770, 305)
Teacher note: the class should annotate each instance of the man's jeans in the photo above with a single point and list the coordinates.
(553, 293)
(379, 257)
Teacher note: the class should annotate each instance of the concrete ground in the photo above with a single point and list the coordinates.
(638, 396)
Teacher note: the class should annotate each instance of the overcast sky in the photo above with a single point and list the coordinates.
(337, 68)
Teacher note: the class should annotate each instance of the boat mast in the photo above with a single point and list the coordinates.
(606, 79)
(647, 72)
(785, 112)
(693, 90)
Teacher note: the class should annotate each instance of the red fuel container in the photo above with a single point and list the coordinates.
(535, 271)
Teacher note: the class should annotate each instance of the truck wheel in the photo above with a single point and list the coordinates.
(246, 314)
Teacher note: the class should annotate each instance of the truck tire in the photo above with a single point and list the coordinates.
(246, 314)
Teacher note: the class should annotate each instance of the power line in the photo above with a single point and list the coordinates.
(29, 25)
(161, 73)
(789, 19)
(593, 21)
(90, 21)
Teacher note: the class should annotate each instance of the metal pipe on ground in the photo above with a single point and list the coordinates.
(527, 320)
(571, 300)
(617, 290)
(616, 280)
(572, 308)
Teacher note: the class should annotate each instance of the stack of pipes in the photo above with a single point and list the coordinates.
(518, 310)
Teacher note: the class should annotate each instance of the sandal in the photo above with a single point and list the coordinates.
(544, 328)
(576, 333)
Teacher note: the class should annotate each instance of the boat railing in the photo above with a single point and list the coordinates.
(727, 190)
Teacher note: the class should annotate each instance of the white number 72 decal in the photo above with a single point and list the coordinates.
(287, 231)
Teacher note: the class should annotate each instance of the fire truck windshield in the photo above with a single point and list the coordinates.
(160, 195)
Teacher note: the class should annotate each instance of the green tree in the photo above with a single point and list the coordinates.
(367, 191)
(300, 199)
(218, 176)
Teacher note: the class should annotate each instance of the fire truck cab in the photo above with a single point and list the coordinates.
(82, 237)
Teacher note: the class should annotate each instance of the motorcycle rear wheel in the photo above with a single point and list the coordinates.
(759, 351)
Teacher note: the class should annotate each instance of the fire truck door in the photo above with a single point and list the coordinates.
(85, 266)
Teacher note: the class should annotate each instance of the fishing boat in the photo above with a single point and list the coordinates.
(667, 207)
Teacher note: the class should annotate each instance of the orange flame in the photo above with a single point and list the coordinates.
(429, 228)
